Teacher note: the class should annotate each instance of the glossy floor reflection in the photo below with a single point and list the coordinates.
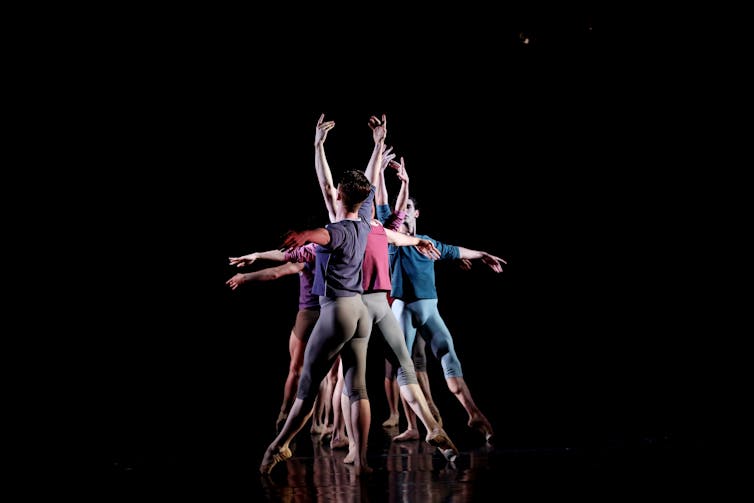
(402, 471)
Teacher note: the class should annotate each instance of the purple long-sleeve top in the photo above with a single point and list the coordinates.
(306, 254)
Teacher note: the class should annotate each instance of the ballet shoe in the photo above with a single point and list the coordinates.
(484, 427)
(442, 441)
(282, 454)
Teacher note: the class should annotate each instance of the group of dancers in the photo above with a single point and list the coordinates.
(367, 268)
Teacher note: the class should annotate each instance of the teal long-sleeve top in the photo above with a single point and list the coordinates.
(412, 274)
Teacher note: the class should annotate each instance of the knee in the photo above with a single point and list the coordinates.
(406, 376)
(454, 386)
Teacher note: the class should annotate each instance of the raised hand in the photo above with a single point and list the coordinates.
(494, 263)
(402, 175)
(322, 128)
(379, 128)
(387, 156)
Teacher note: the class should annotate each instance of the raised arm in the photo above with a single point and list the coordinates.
(324, 175)
(268, 274)
(381, 195)
(395, 219)
(249, 259)
(402, 200)
(379, 132)
(494, 263)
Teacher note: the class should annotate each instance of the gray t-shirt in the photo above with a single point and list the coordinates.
(338, 265)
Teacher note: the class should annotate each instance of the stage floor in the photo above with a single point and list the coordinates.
(410, 471)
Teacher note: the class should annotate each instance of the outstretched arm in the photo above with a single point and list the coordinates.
(324, 175)
(425, 246)
(249, 259)
(296, 239)
(494, 263)
(268, 274)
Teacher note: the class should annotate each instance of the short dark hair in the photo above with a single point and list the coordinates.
(354, 188)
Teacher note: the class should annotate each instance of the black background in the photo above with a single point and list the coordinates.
(198, 141)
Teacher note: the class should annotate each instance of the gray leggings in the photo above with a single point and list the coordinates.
(422, 314)
(384, 319)
(343, 328)
(418, 356)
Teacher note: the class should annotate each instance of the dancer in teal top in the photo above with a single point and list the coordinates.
(415, 306)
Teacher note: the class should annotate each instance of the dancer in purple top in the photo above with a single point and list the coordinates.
(299, 261)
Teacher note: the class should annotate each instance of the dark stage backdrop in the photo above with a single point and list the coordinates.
(203, 155)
